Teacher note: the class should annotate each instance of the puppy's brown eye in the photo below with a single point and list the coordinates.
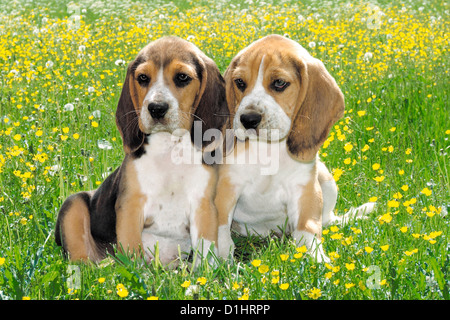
(143, 79)
(182, 80)
(240, 84)
(279, 85)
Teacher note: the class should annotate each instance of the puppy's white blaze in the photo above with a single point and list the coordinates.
(159, 93)
(259, 88)
(258, 97)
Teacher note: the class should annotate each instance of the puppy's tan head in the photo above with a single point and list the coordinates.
(170, 84)
(275, 87)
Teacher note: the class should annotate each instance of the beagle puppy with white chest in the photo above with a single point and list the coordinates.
(161, 198)
(282, 104)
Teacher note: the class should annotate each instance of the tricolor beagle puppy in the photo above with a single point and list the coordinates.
(161, 198)
(283, 103)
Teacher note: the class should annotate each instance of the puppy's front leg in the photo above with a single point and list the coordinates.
(225, 201)
(203, 230)
(130, 214)
(129, 227)
(306, 217)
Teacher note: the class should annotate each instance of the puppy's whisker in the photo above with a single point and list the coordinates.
(222, 115)
(184, 113)
(130, 113)
(132, 124)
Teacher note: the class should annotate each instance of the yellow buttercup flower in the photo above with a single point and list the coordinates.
(256, 263)
(244, 297)
(393, 204)
(314, 293)
(350, 266)
(349, 285)
(284, 286)
(410, 253)
(263, 268)
(334, 228)
(385, 218)
(361, 113)
(379, 179)
(201, 281)
(368, 249)
(121, 290)
(426, 192)
(284, 257)
(348, 147)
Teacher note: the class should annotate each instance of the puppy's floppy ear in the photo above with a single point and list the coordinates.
(230, 93)
(210, 106)
(127, 115)
(320, 105)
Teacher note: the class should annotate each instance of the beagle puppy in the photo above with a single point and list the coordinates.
(160, 201)
(282, 104)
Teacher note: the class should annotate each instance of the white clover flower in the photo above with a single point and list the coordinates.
(69, 107)
(54, 169)
(368, 56)
(91, 89)
(312, 44)
(97, 114)
(104, 144)
(119, 62)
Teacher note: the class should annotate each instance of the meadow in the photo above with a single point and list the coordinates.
(62, 66)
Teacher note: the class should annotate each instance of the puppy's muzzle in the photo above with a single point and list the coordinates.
(251, 120)
(158, 110)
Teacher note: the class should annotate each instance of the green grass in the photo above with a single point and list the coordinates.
(400, 252)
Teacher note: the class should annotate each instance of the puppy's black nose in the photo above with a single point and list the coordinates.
(250, 120)
(158, 110)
